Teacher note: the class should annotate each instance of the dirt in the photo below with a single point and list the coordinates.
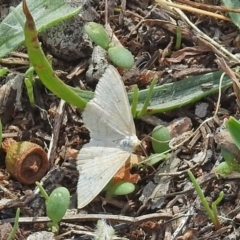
(164, 204)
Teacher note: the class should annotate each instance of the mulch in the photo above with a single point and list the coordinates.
(164, 204)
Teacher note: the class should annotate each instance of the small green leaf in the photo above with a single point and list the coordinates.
(29, 88)
(57, 204)
(160, 139)
(121, 57)
(156, 157)
(228, 157)
(97, 34)
(233, 126)
(223, 169)
(3, 71)
(121, 188)
(230, 165)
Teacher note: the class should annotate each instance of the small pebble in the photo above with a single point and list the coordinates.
(201, 109)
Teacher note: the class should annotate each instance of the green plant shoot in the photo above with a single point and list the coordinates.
(156, 157)
(42, 191)
(118, 54)
(29, 83)
(212, 212)
(97, 34)
(56, 205)
(160, 139)
(229, 165)
(3, 71)
(178, 38)
(121, 188)
(134, 101)
(147, 99)
(29, 87)
(15, 226)
(121, 57)
(233, 126)
(43, 67)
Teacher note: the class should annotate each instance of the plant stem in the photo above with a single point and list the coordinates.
(212, 216)
(147, 99)
(42, 190)
(214, 208)
(15, 226)
(134, 101)
(43, 67)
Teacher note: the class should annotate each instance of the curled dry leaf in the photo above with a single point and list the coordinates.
(124, 172)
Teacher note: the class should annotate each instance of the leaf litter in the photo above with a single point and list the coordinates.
(171, 208)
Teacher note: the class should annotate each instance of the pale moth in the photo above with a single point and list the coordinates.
(112, 136)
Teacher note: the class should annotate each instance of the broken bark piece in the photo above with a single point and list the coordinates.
(10, 96)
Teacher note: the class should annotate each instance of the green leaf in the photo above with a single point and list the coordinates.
(121, 188)
(233, 126)
(228, 157)
(231, 163)
(223, 169)
(147, 99)
(234, 16)
(229, 166)
(121, 57)
(156, 157)
(212, 213)
(29, 88)
(3, 71)
(57, 204)
(160, 139)
(134, 101)
(97, 34)
(174, 95)
(16, 225)
(46, 13)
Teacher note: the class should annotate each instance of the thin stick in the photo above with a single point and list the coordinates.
(208, 6)
(195, 10)
(94, 217)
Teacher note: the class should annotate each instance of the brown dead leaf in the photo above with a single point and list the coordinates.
(181, 54)
(146, 76)
(189, 235)
(124, 172)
